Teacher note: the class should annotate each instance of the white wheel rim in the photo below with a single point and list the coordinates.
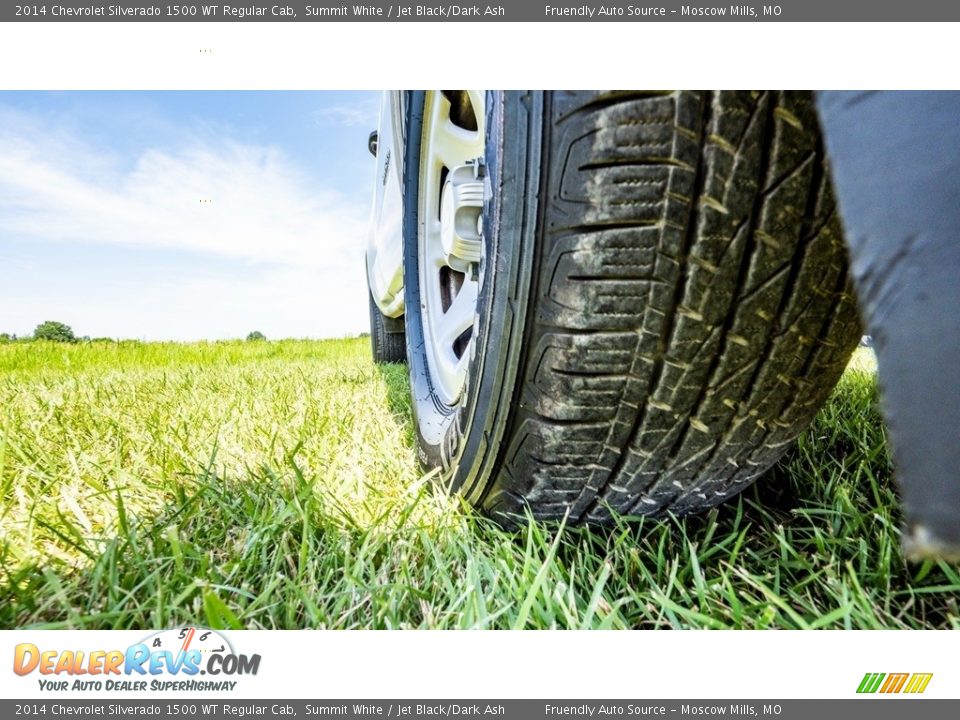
(449, 242)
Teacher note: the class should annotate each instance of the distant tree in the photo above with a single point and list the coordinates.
(102, 340)
(54, 331)
(7, 338)
(255, 336)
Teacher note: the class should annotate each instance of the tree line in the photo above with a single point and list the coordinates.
(56, 331)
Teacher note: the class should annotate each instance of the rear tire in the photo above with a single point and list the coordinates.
(663, 305)
(388, 340)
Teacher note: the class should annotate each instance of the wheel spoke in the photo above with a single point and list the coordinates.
(434, 256)
(460, 315)
(450, 145)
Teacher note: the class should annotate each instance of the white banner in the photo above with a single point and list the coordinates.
(508, 665)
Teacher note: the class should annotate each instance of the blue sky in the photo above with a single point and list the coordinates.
(102, 224)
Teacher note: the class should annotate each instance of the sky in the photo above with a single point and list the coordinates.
(185, 215)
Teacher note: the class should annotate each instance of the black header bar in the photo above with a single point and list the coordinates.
(506, 10)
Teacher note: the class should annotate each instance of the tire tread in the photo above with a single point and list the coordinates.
(693, 309)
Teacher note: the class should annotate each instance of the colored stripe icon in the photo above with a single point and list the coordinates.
(894, 683)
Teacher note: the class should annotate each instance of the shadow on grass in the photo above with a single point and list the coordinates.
(396, 379)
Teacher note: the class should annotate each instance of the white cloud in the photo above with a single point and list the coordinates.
(258, 206)
(235, 200)
(361, 115)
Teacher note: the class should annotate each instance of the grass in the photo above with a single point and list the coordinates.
(274, 485)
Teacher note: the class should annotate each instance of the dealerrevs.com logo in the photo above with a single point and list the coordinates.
(892, 683)
(170, 660)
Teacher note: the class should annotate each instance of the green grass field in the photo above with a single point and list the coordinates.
(274, 485)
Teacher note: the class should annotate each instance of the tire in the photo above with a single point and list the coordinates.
(663, 303)
(388, 338)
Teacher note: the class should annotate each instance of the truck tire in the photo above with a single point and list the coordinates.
(663, 302)
(387, 337)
